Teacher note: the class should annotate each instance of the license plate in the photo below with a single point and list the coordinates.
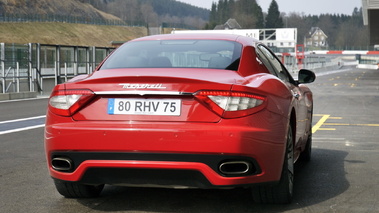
(131, 106)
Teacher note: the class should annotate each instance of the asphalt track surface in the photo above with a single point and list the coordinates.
(342, 176)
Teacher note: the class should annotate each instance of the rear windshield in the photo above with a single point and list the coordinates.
(213, 54)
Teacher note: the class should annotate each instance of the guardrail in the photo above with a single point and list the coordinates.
(333, 60)
(312, 62)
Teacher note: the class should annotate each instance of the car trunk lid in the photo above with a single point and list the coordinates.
(152, 94)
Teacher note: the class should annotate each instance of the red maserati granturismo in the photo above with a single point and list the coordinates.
(181, 110)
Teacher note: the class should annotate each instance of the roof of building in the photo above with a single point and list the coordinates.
(314, 30)
(230, 24)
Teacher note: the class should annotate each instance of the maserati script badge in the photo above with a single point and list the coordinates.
(142, 86)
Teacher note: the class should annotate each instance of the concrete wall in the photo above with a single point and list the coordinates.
(18, 95)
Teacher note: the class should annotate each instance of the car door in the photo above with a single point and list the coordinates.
(277, 68)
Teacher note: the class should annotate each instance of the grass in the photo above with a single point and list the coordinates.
(67, 33)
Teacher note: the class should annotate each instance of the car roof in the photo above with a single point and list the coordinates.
(246, 41)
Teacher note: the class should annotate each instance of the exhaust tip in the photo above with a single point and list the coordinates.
(62, 164)
(235, 168)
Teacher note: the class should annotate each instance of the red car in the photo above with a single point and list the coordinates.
(177, 110)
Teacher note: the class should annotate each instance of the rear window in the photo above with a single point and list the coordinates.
(213, 54)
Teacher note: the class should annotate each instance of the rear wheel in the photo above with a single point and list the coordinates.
(307, 153)
(282, 192)
(77, 190)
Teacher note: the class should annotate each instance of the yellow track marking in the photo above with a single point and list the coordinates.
(322, 122)
(319, 123)
(341, 124)
(326, 129)
(336, 124)
(335, 117)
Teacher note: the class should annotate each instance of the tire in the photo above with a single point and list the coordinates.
(306, 155)
(282, 192)
(77, 190)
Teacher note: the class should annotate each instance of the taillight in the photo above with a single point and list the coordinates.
(229, 104)
(67, 102)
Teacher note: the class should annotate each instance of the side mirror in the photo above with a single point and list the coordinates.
(306, 76)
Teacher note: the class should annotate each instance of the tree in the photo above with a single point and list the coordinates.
(148, 14)
(213, 13)
(259, 15)
(127, 10)
(247, 13)
(273, 19)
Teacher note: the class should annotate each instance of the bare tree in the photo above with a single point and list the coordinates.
(296, 20)
(148, 14)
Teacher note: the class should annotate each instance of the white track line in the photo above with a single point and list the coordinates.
(21, 129)
(22, 119)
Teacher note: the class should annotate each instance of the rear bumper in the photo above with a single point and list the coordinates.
(133, 168)
(160, 153)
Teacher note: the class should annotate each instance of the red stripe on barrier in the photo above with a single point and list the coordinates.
(334, 52)
(373, 53)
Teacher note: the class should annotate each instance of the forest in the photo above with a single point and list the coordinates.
(170, 13)
(343, 31)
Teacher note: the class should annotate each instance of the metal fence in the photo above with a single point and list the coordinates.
(37, 68)
(84, 20)
(65, 19)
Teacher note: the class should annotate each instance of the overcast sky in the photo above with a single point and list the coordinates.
(313, 7)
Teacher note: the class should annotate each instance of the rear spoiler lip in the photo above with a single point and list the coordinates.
(142, 92)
